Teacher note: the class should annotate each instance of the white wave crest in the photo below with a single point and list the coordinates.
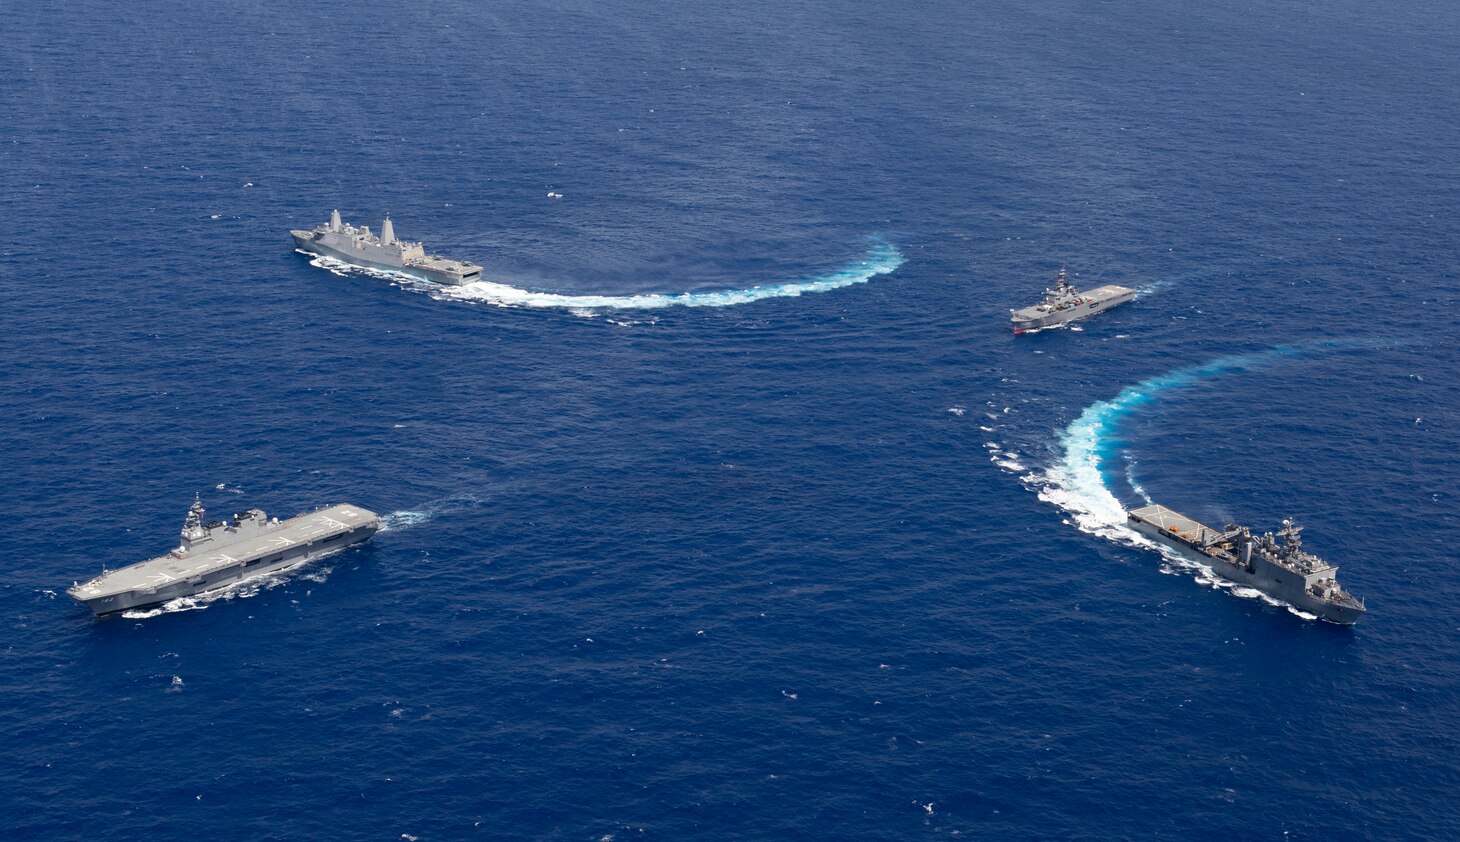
(1006, 459)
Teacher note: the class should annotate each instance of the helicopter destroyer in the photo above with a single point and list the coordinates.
(359, 247)
(1064, 303)
(218, 553)
(1275, 565)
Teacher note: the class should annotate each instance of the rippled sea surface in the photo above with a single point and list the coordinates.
(728, 507)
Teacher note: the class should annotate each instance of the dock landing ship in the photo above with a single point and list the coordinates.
(1273, 564)
(359, 247)
(214, 554)
(1064, 303)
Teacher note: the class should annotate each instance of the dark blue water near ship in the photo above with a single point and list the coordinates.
(836, 560)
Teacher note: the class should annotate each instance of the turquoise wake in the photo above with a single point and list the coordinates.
(1077, 481)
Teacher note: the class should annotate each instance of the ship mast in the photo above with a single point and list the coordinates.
(193, 526)
(1290, 533)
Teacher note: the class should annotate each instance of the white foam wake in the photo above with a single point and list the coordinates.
(883, 259)
(406, 518)
(313, 570)
(1148, 290)
(1076, 481)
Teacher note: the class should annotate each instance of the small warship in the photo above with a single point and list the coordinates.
(217, 553)
(357, 246)
(1064, 303)
(1277, 565)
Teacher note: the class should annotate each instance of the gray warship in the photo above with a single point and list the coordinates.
(359, 247)
(1064, 303)
(217, 553)
(1275, 565)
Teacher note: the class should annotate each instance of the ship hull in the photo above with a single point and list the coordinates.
(305, 241)
(245, 569)
(1097, 301)
(1263, 576)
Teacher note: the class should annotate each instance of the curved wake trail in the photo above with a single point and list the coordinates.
(883, 259)
(1076, 482)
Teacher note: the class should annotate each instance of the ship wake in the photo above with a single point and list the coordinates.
(882, 259)
(313, 571)
(406, 518)
(1078, 483)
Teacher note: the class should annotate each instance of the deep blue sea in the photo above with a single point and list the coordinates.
(730, 508)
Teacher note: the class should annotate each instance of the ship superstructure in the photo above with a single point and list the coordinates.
(214, 554)
(1064, 303)
(1274, 564)
(356, 245)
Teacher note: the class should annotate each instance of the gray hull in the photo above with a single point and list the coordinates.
(308, 244)
(1257, 573)
(1087, 304)
(144, 598)
(218, 554)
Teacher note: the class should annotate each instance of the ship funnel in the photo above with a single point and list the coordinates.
(387, 232)
(335, 221)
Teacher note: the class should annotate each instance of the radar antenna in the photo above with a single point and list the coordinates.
(193, 525)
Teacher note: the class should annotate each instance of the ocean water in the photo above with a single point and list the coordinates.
(729, 508)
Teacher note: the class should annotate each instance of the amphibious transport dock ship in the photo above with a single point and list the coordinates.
(359, 247)
(1275, 565)
(1064, 303)
(218, 553)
